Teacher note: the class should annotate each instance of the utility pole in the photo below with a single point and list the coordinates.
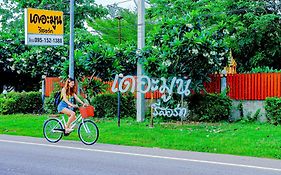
(71, 40)
(120, 75)
(141, 43)
(119, 27)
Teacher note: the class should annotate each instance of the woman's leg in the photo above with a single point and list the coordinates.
(71, 115)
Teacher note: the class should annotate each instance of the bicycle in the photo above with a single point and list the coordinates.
(88, 132)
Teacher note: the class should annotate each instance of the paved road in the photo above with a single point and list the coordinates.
(35, 156)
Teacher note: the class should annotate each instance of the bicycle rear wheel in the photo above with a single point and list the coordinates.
(53, 130)
(88, 132)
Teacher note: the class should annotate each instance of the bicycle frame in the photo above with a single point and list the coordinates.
(78, 119)
(54, 129)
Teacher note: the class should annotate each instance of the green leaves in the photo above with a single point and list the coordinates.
(91, 87)
(255, 39)
(184, 47)
(25, 102)
(102, 60)
(209, 107)
(106, 105)
(20, 62)
(273, 110)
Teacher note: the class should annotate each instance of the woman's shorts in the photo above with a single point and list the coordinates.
(63, 105)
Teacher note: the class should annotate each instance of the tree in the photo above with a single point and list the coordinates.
(84, 9)
(9, 47)
(103, 60)
(182, 47)
(188, 40)
(256, 43)
(28, 63)
(108, 29)
(253, 26)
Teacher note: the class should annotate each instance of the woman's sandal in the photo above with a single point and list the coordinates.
(67, 131)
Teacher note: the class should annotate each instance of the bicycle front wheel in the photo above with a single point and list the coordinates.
(53, 130)
(88, 132)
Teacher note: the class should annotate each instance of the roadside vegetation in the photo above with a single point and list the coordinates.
(246, 139)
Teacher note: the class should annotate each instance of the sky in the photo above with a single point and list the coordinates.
(129, 4)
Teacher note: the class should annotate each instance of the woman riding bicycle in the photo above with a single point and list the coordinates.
(65, 106)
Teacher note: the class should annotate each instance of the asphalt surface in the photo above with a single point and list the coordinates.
(35, 156)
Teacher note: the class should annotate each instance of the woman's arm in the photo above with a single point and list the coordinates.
(64, 97)
(78, 99)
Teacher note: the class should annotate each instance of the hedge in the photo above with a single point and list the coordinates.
(209, 107)
(273, 110)
(24, 102)
(106, 105)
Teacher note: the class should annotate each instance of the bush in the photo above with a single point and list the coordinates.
(49, 102)
(24, 102)
(49, 106)
(273, 110)
(7, 105)
(106, 105)
(209, 107)
(264, 69)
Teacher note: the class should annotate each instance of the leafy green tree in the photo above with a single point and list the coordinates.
(256, 43)
(107, 27)
(8, 47)
(84, 9)
(189, 40)
(28, 63)
(182, 47)
(253, 26)
(103, 61)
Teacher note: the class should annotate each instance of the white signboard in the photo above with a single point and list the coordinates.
(165, 86)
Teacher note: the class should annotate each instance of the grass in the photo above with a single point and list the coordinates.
(246, 139)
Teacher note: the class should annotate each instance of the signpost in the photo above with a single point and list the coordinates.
(43, 27)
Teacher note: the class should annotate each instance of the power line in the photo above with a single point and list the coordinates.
(117, 3)
(123, 2)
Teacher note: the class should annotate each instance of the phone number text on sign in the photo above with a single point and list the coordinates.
(45, 40)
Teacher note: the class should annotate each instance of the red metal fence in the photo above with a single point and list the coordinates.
(254, 86)
(50, 84)
(241, 86)
(215, 85)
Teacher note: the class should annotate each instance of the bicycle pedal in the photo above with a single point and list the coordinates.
(66, 134)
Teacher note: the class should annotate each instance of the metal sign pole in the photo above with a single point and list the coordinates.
(71, 41)
(141, 43)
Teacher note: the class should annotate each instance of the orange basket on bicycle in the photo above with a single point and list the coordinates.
(87, 111)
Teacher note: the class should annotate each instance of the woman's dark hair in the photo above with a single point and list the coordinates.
(70, 91)
(71, 79)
